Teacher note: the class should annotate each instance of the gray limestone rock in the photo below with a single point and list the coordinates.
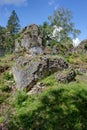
(27, 71)
(29, 38)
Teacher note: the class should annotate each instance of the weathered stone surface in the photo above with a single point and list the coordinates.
(27, 71)
(65, 76)
(29, 39)
(36, 51)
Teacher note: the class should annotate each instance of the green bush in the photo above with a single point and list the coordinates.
(2, 119)
(1, 99)
(5, 88)
(53, 43)
(16, 36)
(19, 98)
(8, 76)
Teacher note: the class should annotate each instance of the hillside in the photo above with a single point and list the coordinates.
(43, 90)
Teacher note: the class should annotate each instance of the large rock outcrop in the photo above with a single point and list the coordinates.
(27, 71)
(29, 40)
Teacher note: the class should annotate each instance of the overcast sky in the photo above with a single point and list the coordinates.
(37, 11)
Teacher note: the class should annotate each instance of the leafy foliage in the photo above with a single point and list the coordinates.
(59, 28)
(46, 31)
(62, 18)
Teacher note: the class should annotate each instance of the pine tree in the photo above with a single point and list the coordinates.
(13, 25)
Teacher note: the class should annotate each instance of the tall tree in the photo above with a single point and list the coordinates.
(62, 18)
(13, 25)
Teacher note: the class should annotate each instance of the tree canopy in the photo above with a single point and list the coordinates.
(62, 18)
(7, 34)
(13, 25)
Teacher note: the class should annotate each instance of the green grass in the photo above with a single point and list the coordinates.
(6, 60)
(77, 59)
(6, 81)
(59, 107)
(3, 97)
(1, 119)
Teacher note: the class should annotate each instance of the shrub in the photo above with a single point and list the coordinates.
(1, 99)
(16, 36)
(8, 76)
(53, 43)
(19, 98)
(1, 119)
(5, 88)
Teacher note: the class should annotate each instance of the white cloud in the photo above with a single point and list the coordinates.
(76, 42)
(13, 2)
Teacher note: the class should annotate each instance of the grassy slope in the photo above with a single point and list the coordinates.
(6, 80)
(58, 107)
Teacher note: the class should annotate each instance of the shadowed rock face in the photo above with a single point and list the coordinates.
(29, 39)
(27, 71)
